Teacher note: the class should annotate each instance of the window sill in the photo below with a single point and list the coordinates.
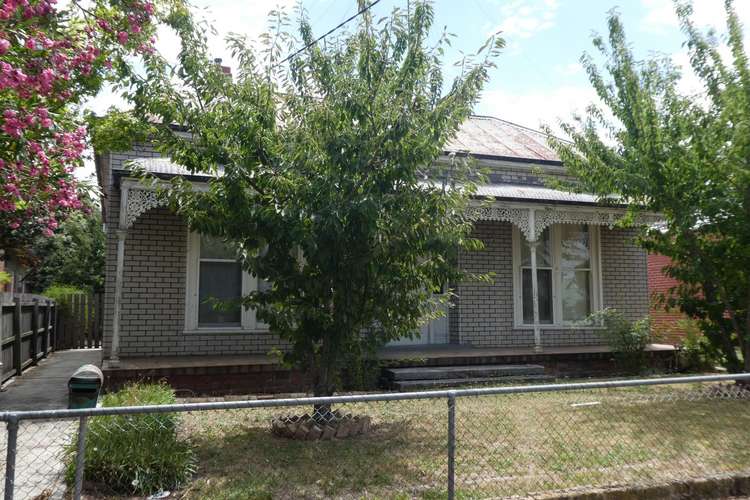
(219, 330)
(563, 326)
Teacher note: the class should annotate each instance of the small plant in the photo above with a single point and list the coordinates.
(696, 352)
(627, 339)
(61, 293)
(135, 454)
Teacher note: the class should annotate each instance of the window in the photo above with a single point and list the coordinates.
(219, 279)
(575, 272)
(567, 279)
(213, 274)
(543, 276)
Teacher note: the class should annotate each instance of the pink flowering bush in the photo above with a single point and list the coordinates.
(50, 60)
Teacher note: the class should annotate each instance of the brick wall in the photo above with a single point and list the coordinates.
(520, 175)
(153, 300)
(486, 310)
(153, 296)
(664, 322)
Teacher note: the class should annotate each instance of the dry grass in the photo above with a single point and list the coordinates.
(506, 445)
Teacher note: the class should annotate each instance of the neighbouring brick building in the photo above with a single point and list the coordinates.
(666, 322)
(158, 274)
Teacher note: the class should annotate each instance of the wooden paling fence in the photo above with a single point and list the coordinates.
(80, 325)
(28, 328)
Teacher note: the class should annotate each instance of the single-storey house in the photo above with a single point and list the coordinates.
(556, 257)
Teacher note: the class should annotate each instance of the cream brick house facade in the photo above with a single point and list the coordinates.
(582, 260)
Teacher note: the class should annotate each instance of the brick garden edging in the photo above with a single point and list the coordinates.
(306, 428)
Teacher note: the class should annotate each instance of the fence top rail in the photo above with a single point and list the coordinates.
(364, 398)
(9, 299)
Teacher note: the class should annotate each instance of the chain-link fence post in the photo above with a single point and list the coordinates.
(10, 457)
(80, 457)
(451, 445)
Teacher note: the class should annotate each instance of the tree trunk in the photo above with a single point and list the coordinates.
(323, 382)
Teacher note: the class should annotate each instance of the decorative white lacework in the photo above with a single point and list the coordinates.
(140, 201)
(545, 217)
(519, 217)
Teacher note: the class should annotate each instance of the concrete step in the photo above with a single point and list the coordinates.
(410, 385)
(461, 372)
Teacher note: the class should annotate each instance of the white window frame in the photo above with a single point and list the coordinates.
(596, 279)
(248, 321)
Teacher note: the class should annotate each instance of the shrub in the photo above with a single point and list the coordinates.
(135, 454)
(696, 352)
(61, 293)
(627, 339)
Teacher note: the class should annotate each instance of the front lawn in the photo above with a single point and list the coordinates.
(506, 445)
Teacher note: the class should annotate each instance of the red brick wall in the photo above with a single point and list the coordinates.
(664, 322)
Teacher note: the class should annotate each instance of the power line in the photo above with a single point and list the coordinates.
(362, 11)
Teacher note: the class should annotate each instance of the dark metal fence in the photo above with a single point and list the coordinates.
(548, 441)
(28, 325)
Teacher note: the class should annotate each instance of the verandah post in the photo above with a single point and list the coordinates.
(533, 242)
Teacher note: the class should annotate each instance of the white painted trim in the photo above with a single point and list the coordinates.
(114, 353)
(248, 321)
(557, 321)
(546, 214)
(219, 331)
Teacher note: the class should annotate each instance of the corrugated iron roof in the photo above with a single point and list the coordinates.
(163, 166)
(489, 136)
(516, 192)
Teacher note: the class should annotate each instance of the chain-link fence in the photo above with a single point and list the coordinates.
(522, 441)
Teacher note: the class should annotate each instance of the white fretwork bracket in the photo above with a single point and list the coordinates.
(533, 220)
(138, 202)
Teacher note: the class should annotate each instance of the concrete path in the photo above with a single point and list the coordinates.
(45, 386)
(40, 459)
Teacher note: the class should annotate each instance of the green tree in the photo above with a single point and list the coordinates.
(330, 185)
(74, 255)
(51, 60)
(684, 156)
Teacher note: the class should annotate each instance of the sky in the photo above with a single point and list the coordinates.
(538, 80)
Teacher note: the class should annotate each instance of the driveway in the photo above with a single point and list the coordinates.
(45, 386)
(41, 443)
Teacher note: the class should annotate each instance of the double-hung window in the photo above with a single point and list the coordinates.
(215, 284)
(568, 287)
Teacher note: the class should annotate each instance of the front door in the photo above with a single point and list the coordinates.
(432, 332)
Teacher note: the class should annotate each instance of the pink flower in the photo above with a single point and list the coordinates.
(47, 232)
(4, 45)
(12, 189)
(30, 43)
(122, 37)
(15, 224)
